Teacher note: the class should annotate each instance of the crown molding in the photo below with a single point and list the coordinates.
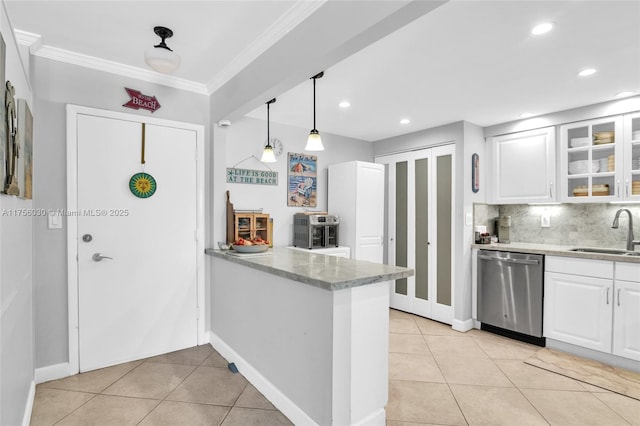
(36, 48)
(31, 40)
(297, 13)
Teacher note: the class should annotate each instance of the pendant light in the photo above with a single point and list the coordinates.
(160, 57)
(314, 142)
(267, 155)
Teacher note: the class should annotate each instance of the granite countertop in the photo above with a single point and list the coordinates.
(319, 270)
(556, 250)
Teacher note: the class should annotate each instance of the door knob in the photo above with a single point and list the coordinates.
(97, 257)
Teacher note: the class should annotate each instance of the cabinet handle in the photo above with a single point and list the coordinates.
(608, 295)
(551, 190)
(619, 297)
(627, 188)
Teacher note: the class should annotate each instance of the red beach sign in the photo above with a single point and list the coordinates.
(138, 100)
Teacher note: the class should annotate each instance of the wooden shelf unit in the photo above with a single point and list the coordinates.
(252, 225)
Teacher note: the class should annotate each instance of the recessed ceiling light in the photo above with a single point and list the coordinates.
(545, 27)
(344, 104)
(526, 115)
(625, 94)
(405, 121)
(586, 72)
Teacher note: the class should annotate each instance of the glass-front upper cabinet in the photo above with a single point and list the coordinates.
(592, 160)
(631, 166)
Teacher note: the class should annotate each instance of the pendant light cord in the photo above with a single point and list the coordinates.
(314, 78)
(268, 136)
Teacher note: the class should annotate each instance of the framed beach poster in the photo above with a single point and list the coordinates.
(4, 139)
(302, 180)
(25, 162)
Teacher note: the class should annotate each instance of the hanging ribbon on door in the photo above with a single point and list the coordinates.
(142, 184)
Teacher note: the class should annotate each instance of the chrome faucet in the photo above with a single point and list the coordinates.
(630, 241)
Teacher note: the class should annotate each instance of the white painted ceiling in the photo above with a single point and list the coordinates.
(466, 60)
(475, 61)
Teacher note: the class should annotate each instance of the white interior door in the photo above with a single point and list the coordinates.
(419, 215)
(142, 301)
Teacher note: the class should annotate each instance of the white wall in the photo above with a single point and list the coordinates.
(55, 85)
(16, 264)
(474, 143)
(247, 137)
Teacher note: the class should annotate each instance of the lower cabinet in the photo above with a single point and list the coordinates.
(587, 305)
(626, 311)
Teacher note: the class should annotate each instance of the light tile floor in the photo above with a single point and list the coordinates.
(186, 388)
(440, 376)
(437, 376)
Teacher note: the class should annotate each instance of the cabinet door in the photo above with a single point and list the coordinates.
(524, 167)
(243, 224)
(260, 226)
(591, 160)
(631, 158)
(626, 320)
(578, 310)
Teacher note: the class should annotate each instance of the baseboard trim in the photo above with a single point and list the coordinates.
(377, 418)
(51, 372)
(462, 326)
(26, 418)
(272, 393)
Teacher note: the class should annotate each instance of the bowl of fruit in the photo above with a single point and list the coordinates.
(256, 245)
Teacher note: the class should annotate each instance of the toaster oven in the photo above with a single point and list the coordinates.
(315, 230)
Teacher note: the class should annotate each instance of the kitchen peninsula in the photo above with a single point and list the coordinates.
(309, 331)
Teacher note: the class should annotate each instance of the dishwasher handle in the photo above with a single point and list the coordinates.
(507, 260)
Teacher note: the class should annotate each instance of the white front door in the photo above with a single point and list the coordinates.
(420, 198)
(142, 298)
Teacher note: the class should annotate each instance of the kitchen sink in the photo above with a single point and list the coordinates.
(605, 251)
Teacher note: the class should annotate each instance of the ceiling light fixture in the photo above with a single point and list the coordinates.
(267, 155)
(625, 94)
(405, 121)
(344, 104)
(160, 57)
(543, 28)
(314, 142)
(586, 72)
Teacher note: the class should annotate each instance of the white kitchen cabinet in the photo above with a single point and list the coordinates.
(631, 158)
(626, 309)
(591, 165)
(522, 167)
(577, 310)
(356, 195)
(586, 306)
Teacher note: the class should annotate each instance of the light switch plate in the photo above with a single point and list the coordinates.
(54, 221)
(545, 220)
(468, 219)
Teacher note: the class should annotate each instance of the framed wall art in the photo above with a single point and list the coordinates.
(302, 180)
(25, 163)
(475, 173)
(4, 140)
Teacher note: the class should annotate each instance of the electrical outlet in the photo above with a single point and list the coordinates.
(545, 220)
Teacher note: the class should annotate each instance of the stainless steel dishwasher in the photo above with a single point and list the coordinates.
(510, 292)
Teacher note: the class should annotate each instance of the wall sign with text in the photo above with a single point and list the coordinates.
(138, 101)
(255, 177)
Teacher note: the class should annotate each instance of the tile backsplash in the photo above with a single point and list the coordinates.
(571, 224)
